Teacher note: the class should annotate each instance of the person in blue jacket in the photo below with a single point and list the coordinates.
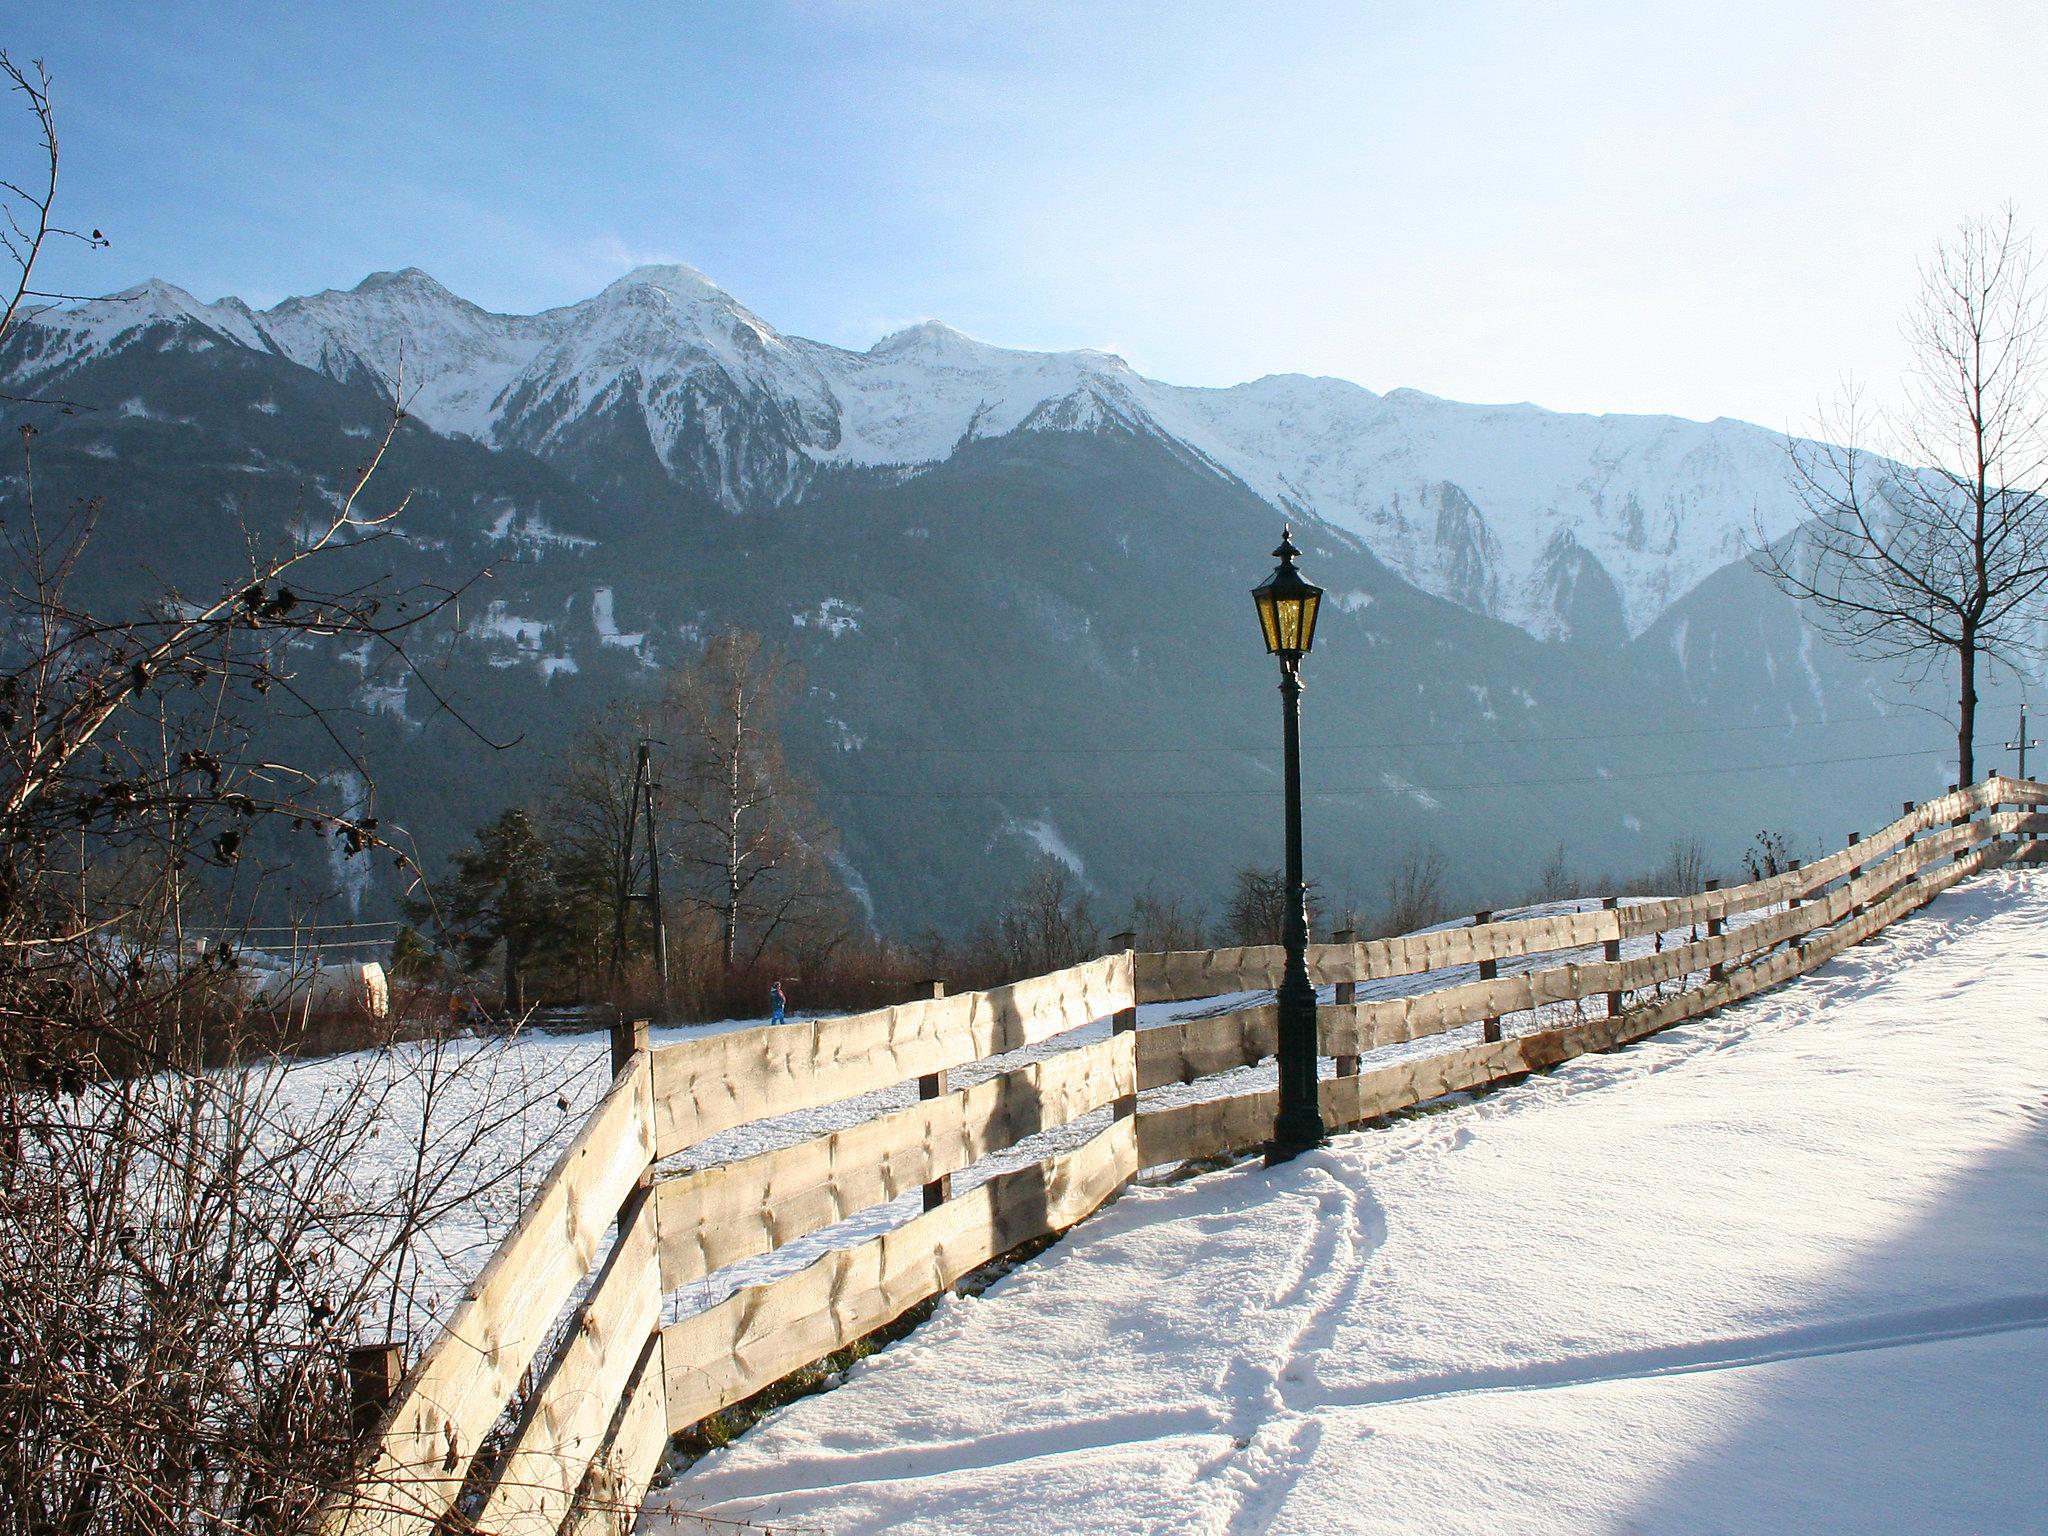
(776, 1001)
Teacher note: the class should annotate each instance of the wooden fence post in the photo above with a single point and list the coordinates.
(1717, 971)
(1611, 950)
(1489, 969)
(1855, 871)
(374, 1372)
(630, 1036)
(1346, 993)
(933, 1086)
(1124, 1022)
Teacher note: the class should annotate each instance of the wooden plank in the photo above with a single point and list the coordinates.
(714, 1216)
(710, 1084)
(1188, 1049)
(609, 1502)
(572, 1405)
(1177, 975)
(758, 1335)
(1207, 1128)
(462, 1383)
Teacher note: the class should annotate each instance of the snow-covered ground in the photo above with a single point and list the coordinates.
(1784, 1268)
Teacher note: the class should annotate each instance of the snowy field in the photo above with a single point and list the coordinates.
(1784, 1268)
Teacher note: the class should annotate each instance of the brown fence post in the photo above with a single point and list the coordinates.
(628, 1037)
(1855, 872)
(933, 1086)
(1611, 950)
(374, 1372)
(1346, 994)
(1716, 971)
(1124, 1022)
(1489, 969)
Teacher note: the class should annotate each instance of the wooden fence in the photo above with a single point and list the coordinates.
(612, 1383)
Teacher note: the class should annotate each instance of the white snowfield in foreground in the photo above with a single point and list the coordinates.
(1783, 1269)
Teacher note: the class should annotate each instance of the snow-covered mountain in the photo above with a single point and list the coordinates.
(1014, 582)
(1570, 527)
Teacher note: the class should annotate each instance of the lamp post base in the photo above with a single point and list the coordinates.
(1292, 1137)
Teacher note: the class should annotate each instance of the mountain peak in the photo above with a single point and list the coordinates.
(672, 277)
(155, 291)
(925, 336)
(405, 279)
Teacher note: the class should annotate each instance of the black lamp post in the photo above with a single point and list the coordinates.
(1287, 614)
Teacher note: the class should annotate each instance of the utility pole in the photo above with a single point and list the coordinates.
(640, 823)
(2020, 743)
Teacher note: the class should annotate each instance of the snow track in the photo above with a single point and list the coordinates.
(1777, 1269)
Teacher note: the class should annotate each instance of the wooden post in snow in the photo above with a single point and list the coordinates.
(1489, 969)
(933, 1086)
(1611, 950)
(374, 1372)
(1717, 970)
(1346, 993)
(1124, 1022)
(629, 1037)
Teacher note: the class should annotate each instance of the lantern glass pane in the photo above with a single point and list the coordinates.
(1263, 601)
(1311, 604)
(1290, 623)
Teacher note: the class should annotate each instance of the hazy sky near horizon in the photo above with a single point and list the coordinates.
(1649, 206)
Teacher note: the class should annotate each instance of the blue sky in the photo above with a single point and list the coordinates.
(1702, 209)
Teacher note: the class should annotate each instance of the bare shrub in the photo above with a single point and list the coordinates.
(1770, 854)
(1415, 892)
(1555, 880)
(1257, 910)
(1166, 921)
(186, 1248)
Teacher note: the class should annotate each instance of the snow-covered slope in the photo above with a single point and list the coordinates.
(1778, 1269)
(1574, 527)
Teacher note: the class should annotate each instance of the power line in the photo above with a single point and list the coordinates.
(1092, 749)
(1596, 777)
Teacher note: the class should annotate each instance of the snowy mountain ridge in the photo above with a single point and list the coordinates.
(1569, 526)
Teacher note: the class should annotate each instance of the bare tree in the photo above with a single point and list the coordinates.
(1166, 921)
(27, 205)
(751, 842)
(1046, 925)
(1257, 910)
(588, 822)
(189, 1248)
(1415, 891)
(1555, 880)
(1927, 531)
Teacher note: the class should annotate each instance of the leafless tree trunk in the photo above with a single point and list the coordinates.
(1927, 537)
(754, 846)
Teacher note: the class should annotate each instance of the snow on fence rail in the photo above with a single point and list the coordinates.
(616, 1382)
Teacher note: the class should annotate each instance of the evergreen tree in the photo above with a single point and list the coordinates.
(505, 896)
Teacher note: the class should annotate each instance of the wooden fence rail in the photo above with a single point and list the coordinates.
(615, 1233)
